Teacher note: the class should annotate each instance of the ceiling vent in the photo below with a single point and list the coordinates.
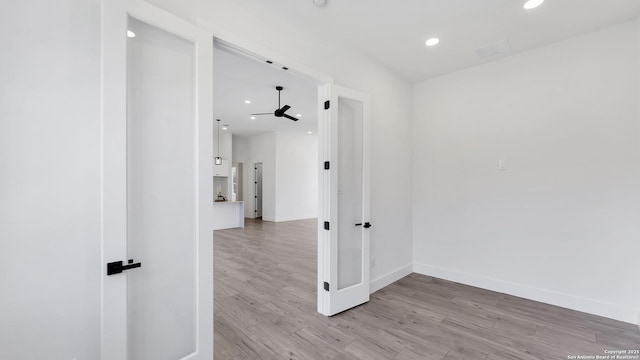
(500, 48)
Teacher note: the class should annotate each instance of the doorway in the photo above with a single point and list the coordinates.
(276, 189)
(257, 167)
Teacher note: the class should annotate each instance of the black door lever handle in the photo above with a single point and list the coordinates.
(117, 267)
(367, 225)
(359, 224)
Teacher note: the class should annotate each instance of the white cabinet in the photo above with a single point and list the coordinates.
(222, 170)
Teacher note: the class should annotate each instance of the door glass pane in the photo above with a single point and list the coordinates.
(350, 236)
(161, 194)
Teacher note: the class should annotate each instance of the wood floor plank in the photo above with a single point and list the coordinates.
(265, 308)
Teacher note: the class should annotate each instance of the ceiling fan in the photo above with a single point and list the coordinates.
(280, 111)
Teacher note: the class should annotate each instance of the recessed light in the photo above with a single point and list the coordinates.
(253, 118)
(432, 42)
(532, 4)
(299, 115)
(131, 34)
(309, 132)
(225, 127)
(247, 101)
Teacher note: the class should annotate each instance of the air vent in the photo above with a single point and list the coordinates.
(500, 48)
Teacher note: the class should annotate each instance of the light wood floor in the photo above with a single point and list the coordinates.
(265, 308)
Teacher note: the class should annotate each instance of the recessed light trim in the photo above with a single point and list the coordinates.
(131, 34)
(532, 4)
(432, 42)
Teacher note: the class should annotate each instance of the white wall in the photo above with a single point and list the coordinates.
(561, 225)
(50, 180)
(290, 174)
(296, 175)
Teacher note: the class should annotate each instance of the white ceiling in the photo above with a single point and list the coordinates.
(238, 78)
(394, 32)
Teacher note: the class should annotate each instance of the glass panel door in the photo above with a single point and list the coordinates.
(343, 263)
(161, 194)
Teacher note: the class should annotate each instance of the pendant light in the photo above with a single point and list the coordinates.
(218, 158)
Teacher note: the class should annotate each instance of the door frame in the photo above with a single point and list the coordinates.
(114, 170)
(242, 46)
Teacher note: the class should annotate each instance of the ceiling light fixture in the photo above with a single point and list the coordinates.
(299, 115)
(309, 132)
(252, 118)
(225, 127)
(247, 101)
(532, 4)
(131, 34)
(218, 158)
(432, 42)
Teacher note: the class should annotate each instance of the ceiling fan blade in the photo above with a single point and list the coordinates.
(290, 117)
(285, 108)
(263, 114)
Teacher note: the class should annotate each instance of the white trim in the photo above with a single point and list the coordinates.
(239, 44)
(595, 307)
(390, 278)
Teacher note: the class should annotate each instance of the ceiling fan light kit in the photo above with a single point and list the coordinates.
(281, 110)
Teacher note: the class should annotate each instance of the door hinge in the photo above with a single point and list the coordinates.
(327, 165)
(327, 105)
(326, 225)
(326, 286)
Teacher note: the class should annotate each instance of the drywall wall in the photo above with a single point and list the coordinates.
(290, 173)
(296, 175)
(560, 224)
(50, 180)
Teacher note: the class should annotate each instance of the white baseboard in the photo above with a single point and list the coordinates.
(564, 300)
(225, 226)
(294, 218)
(390, 278)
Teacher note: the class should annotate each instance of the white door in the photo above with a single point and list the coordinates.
(157, 187)
(258, 189)
(343, 247)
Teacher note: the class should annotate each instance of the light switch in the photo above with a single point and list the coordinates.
(502, 165)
